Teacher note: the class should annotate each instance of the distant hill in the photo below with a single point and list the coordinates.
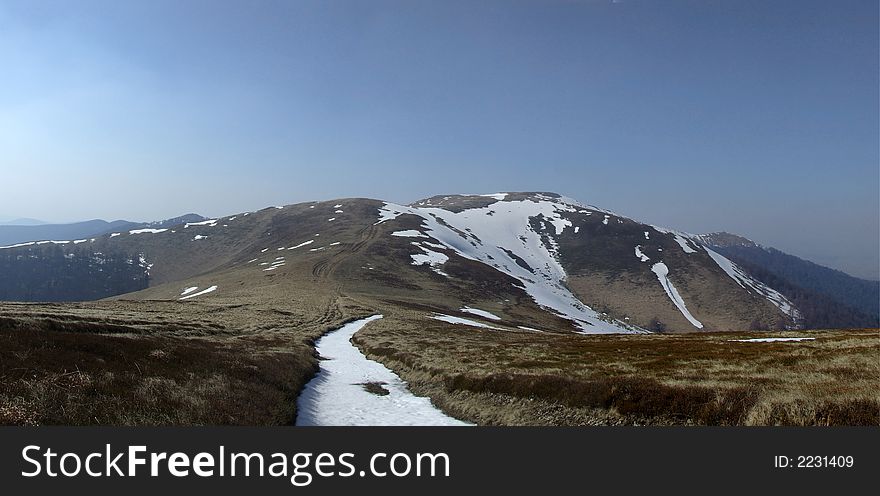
(15, 234)
(827, 297)
(22, 222)
(10, 235)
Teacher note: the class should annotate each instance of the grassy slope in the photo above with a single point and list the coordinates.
(160, 363)
(501, 377)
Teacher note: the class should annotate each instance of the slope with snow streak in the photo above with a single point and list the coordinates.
(662, 272)
(336, 396)
(743, 279)
(470, 236)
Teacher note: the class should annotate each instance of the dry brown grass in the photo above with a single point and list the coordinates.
(160, 363)
(502, 377)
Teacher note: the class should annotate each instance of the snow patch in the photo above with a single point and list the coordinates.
(481, 313)
(641, 256)
(147, 231)
(470, 236)
(662, 272)
(304, 243)
(336, 396)
(209, 223)
(411, 233)
(200, 293)
(458, 320)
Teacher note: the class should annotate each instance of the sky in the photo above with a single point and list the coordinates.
(754, 117)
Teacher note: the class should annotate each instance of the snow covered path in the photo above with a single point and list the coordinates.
(337, 395)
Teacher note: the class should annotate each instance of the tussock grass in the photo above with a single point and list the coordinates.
(494, 377)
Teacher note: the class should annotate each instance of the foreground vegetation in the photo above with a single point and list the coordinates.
(165, 363)
(504, 378)
(153, 363)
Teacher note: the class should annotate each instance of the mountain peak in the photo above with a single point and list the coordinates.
(725, 239)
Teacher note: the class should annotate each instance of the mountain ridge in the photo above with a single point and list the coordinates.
(538, 259)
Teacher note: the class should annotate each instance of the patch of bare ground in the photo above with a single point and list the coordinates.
(514, 378)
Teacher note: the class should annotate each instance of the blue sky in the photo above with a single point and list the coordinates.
(756, 117)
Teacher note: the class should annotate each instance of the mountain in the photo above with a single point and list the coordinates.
(532, 261)
(22, 222)
(15, 234)
(827, 297)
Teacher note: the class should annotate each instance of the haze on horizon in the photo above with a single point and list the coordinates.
(757, 118)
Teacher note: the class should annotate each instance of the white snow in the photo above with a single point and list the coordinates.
(388, 212)
(188, 290)
(646, 235)
(200, 293)
(29, 243)
(411, 233)
(264, 250)
(78, 241)
(147, 231)
(458, 320)
(680, 238)
(115, 234)
(336, 396)
(338, 212)
(743, 279)
(209, 223)
(605, 220)
(338, 205)
(470, 236)
(576, 229)
(497, 196)
(335, 243)
(641, 256)
(198, 237)
(532, 329)
(331, 219)
(429, 257)
(252, 261)
(770, 340)
(302, 244)
(662, 272)
(481, 313)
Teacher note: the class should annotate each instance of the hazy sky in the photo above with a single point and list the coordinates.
(756, 117)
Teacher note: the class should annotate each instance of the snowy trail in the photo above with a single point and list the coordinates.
(336, 396)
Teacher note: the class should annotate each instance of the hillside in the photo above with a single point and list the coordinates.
(536, 260)
(11, 234)
(827, 297)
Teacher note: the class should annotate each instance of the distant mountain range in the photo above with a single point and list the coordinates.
(533, 261)
(23, 230)
(22, 222)
(827, 297)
